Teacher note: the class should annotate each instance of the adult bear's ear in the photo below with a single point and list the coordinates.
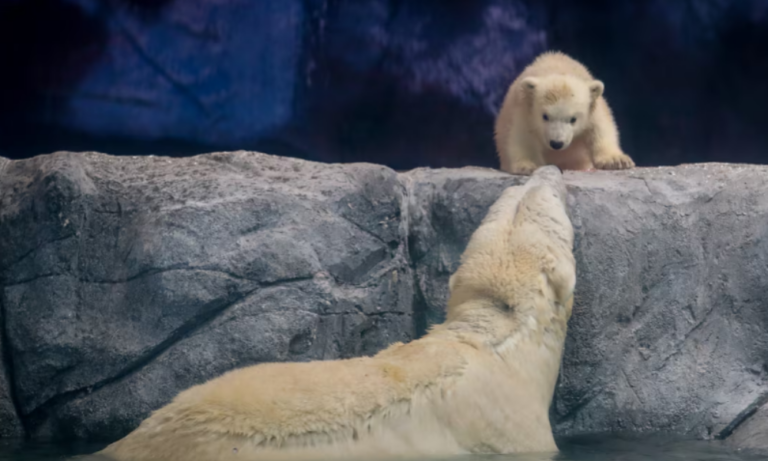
(596, 89)
(530, 83)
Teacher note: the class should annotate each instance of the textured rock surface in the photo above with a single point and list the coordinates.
(670, 332)
(10, 423)
(669, 325)
(125, 280)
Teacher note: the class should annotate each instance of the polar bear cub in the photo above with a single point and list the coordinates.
(481, 382)
(555, 113)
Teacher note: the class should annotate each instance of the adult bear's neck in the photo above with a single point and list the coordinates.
(528, 339)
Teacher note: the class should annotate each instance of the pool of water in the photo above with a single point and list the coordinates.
(582, 449)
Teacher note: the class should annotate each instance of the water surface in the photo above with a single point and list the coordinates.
(582, 449)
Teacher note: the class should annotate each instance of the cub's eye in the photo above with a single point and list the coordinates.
(573, 120)
(546, 118)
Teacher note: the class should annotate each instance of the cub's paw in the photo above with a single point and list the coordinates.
(523, 168)
(614, 161)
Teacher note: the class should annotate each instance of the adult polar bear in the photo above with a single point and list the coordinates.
(481, 382)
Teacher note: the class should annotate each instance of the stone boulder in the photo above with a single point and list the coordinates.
(126, 279)
(669, 325)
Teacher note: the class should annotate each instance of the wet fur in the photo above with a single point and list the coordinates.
(481, 382)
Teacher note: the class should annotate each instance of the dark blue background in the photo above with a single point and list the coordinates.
(405, 83)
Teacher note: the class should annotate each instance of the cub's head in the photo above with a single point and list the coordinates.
(560, 107)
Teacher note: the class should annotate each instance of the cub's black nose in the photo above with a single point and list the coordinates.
(556, 144)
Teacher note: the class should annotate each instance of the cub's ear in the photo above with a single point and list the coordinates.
(596, 89)
(530, 83)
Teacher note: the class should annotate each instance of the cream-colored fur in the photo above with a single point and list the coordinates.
(577, 115)
(481, 382)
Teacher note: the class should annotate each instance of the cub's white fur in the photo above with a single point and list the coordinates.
(555, 113)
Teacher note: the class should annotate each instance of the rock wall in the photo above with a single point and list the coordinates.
(126, 279)
(400, 83)
(669, 317)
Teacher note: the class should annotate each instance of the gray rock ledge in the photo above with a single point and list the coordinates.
(124, 280)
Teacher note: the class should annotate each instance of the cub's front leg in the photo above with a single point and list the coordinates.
(520, 159)
(604, 141)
